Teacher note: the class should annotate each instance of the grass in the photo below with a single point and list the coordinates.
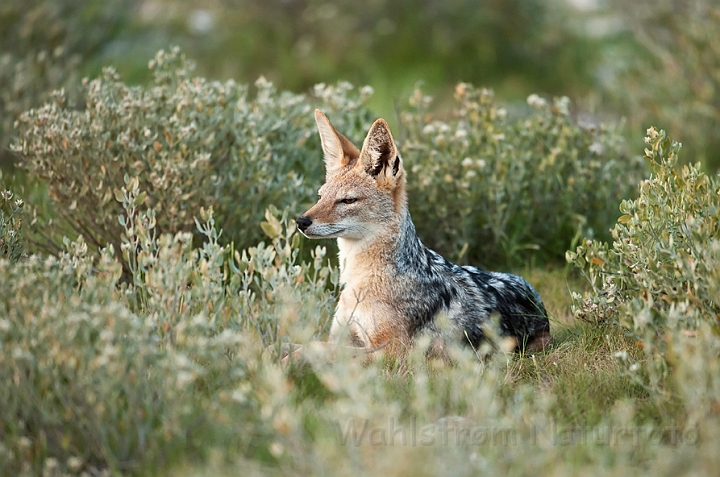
(583, 369)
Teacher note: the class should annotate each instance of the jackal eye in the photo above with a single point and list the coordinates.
(348, 201)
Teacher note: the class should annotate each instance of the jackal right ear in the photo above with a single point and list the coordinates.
(339, 151)
(379, 152)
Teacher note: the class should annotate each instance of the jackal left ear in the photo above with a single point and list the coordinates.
(379, 152)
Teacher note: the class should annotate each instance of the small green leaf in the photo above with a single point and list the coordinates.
(624, 219)
(140, 199)
(269, 229)
(270, 217)
(119, 196)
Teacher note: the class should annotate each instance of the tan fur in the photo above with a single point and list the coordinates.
(363, 253)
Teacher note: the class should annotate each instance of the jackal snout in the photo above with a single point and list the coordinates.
(303, 222)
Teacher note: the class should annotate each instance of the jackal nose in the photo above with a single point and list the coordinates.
(303, 222)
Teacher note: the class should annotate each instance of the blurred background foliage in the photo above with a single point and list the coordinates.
(648, 61)
(675, 82)
(47, 45)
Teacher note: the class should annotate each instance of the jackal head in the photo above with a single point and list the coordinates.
(364, 190)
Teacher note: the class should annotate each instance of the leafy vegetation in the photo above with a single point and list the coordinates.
(522, 185)
(659, 279)
(191, 143)
(152, 278)
(129, 376)
(12, 241)
(175, 365)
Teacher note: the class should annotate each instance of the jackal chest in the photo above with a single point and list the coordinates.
(366, 319)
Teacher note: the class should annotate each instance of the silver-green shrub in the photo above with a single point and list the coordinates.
(660, 276)
(177, 371)
(665, 251)
(659, 280)
(494, 186)
(174, 367)
(191, 143)
(103, 374)
(12, 242)
(497, 185)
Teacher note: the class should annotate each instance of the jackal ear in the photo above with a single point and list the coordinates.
(379, 152)
(339, 151)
